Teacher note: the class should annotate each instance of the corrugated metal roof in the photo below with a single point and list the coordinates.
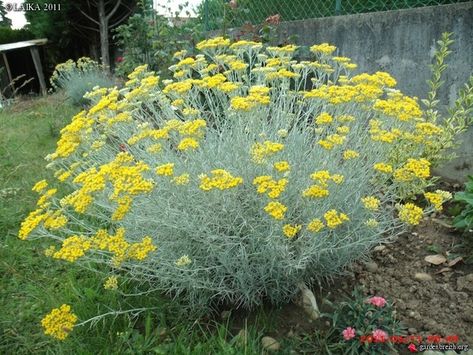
(23, 44)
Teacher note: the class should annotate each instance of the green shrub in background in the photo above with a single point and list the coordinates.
(8, 35)
(78, 78)
(149, 38)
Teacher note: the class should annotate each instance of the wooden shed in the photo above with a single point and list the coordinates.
(15, 62)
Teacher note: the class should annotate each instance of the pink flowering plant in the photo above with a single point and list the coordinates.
(363, 325)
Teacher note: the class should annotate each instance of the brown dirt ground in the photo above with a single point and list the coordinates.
(441, 306)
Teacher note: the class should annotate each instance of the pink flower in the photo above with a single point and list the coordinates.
(119, 59)
(377, 301)
(412, 348)
(348, 333)
(379, 336)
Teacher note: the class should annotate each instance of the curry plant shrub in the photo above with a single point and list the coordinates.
(243, 177)
(77, 78)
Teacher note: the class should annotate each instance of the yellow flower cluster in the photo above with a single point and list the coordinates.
(410, 213)
(413, 168)
(111, 283)
(188, 144)
(73, 248)
(315, 191)
(260, 151)
(331, 141)
(221, 179)
(213, 43)
(437, 198)
(334, 218)
(125, 176)
(276, 209)
(323, 48)
(183, 261)
(165, 169)
(120, 248)
(324, 118)
(282, 166)
(291, 230)
(267, 184)
(371, 203)
(402, 107)
(383, 167)
(315, 225)
(59, 322)
(258, 95)
(350, 154)
(182, 179)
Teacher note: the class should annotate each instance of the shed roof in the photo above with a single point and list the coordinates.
(22, 44)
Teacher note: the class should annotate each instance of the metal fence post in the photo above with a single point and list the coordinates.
(338, 7)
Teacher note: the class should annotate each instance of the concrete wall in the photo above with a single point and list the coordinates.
(402, 43)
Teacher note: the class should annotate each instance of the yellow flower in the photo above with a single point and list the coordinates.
(181, 179)
(59, 322)
(371, 203)
(282, 133)
(410, 213)
(276, 209)
(73, 248)
(290, 230)
(315, 191)
(188, 143)
(111, 283)
(265, 183)
(315, 226)
(323, 48)
(221, 180)
(282, 166)
(259, 151)
(165, 169)
(372, 223)
(436, 199)
(384, 168)
(40, 186)
(324, 118)
(334, 218)
(183, 261)
(350, 154)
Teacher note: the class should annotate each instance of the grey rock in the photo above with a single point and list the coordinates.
(422, 276)
(270, 344)
(371, 266)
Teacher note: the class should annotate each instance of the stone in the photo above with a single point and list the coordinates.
(308, 302)
(379, 248)
(371, 266)
(412, 331)
(270, 344)
(422, 276)
(436, 259)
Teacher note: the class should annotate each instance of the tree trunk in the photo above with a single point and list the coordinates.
(104, 46)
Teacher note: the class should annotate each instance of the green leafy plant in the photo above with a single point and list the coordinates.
(460, 115)
(150, 38)
(465, 219)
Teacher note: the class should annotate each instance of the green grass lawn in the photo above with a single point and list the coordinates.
(32, 284)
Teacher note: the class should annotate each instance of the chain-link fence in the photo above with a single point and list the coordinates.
(217, 14)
